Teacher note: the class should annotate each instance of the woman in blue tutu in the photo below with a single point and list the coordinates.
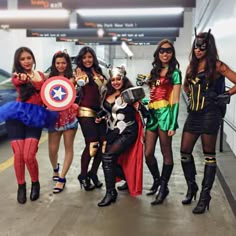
(25, 118)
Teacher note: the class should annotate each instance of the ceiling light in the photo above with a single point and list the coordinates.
(126, 49)
(131, 12)
(100, 32)
(33, 14)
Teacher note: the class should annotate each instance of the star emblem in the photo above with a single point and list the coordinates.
(58, 93)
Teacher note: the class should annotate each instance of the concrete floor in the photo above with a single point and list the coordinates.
(74, 212)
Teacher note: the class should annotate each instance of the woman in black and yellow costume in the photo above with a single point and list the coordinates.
(91, 80)
(205, 85)
(165, 84)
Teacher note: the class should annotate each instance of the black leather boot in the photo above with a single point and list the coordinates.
(189, 170)
(153, 168)
(21, 193)
(109, 174)
(207, 183)
(109, 198)
(85, 183)
(35, 191)
(164, 190)
(120, 174)
(123, 187)
(94, 178)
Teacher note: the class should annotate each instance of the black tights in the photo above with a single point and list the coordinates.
(93, 133)
(189, 140)
(165, 145)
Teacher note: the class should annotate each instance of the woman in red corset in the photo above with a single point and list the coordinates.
(91, 81)
(25, 119)
(165, 84)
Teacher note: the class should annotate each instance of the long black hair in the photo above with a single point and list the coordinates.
(119, 70)
(26, 89)
(68, 72)
(211, 57)
(157, 64)
(79, 60)
(16, 64)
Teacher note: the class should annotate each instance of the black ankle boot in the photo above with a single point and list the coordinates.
(94, 178)
(21, 193)
(109, 198)
(35, 191)
(85, 183)
(123, 187)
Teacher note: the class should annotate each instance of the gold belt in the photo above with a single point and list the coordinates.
(158, 104)
(86, 112)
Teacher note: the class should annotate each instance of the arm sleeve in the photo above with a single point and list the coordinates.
(174, 116)
(176, 77)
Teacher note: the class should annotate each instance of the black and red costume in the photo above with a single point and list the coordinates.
(94, 133)
(124, 151)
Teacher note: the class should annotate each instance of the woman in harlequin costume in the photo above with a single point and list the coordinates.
(91, 80)
(124, 151)
(165, 85)
(65, 126)
(25, 119)
(205, 85)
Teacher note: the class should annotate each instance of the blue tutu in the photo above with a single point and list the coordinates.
(30, 114)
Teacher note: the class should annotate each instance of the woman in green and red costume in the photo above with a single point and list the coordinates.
(165, 85)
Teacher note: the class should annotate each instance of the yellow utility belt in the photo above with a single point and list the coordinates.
(158, 104)
(86, 112)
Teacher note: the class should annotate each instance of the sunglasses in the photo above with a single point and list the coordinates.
(165, 50)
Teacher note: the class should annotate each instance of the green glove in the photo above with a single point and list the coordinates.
(174, 116)
(145, 101)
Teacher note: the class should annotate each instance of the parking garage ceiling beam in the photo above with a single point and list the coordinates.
(72, 4)
(128, 32)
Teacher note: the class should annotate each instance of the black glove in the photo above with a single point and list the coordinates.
(101, 114)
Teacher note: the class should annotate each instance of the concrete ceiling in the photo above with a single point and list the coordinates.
(133, 29)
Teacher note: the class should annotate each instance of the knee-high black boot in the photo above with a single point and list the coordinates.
(109, 174)
(164, 191)
(189, 170)
(153, 168)
(207, 183)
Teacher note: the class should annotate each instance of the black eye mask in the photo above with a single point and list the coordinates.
(201, 44)
(165, 50)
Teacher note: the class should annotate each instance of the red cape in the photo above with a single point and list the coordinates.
(132, 162)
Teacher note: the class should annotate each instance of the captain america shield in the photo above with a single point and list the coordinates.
(58, 93)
